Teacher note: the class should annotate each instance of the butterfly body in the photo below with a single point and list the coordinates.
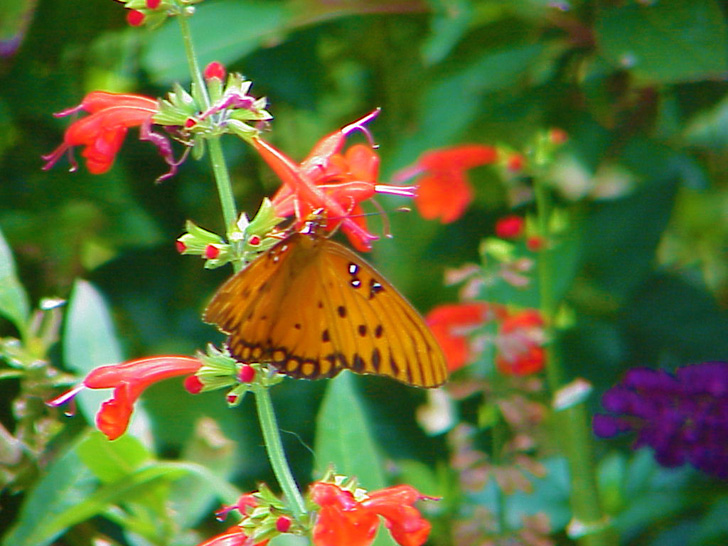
(311, 308)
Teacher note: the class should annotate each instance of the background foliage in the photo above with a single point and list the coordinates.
(640, 88)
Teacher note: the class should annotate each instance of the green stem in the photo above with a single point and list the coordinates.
(266, 415)
(224, 186)
(194, 66)
(572, 423)
(217, 159)
(276, 455)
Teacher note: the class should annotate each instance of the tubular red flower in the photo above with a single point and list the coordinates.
(234, 536)
(452, 323)
(342, 519)
(330, 180)
(444, 191)
(102, 132)
(129, 380)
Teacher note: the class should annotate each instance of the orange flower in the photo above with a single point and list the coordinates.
(128, 380)
(342, 519)
(103, 132)
(444, 190)
(520, 344)
(330, 180)
(451, 325)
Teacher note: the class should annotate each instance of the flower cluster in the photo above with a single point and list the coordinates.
(331, 181)
(342, 514)
(459, 329)
(683, 416)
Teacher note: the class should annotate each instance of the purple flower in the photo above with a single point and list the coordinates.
(683, 417)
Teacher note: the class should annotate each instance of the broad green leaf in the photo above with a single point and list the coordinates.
(65, 484)
(667, 41)
(224, 31)
(192, 497)
(453, 103)
(111, 461)
(16, 16)
(101, 499)
(709, 128)
(449, 23)
(13, 299)
(343, 435)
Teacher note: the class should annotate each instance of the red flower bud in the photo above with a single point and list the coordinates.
(211, 252)
(509, 227)
(247, 374)
(254, 240)
(534, 243)
(515, 163)
(180, 246)
(153, 4)
(135, 18)
(283, 524)
(193, 385)
(215, 70)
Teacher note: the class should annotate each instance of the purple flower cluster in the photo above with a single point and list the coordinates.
(682, 416)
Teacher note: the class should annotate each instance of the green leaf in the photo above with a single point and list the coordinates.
(449, 24)
(112, 461)
(13, 299)
(97, 502)
(709, 128)
(452, 104)
(17, 15)
(343, 436)
(191, 496)
(65, 484)
(224, 31)
(667, 41)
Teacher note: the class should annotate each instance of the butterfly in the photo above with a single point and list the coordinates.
(311, 308)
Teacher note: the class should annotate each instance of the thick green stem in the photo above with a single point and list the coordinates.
(276, 455)
(589, 523)
(266, 416)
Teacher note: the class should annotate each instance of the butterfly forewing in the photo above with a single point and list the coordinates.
(311, 308)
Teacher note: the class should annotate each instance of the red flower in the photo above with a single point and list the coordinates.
(128, 381)
(452, 323)
(444, 190)
(330, 180)
(102, 132)
(520, 344)
(342, 519)
(232, 537)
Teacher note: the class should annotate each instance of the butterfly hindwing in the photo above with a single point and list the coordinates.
(311, 308)
(382, 332)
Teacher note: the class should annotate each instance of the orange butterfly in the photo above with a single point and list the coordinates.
(311, 308)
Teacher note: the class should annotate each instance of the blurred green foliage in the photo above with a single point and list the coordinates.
(639, 86)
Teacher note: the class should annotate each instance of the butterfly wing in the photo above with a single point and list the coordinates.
(373, 328)
(311, 308)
